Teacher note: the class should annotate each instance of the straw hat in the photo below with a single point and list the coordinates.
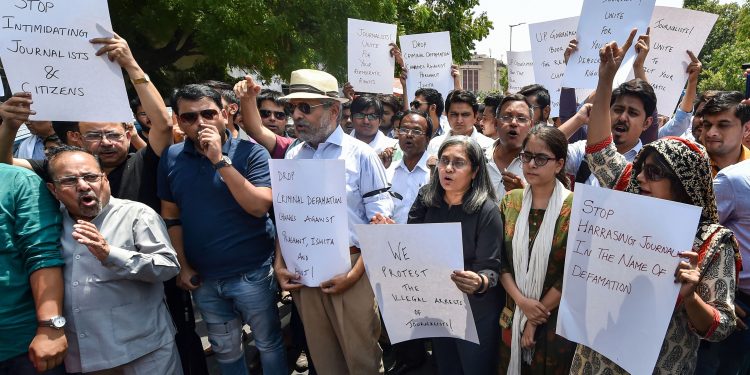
(313, 84)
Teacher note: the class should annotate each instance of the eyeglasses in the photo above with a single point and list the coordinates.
(405, 131)
(417, 104)
(303, 107)
(540, 160)
(654, 172)
(368, 116)
(457, 163)
(521, 120)
(70, 181)
(191, 117)
(264, 113)
(98, 136)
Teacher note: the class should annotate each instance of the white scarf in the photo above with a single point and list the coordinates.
(530, 270)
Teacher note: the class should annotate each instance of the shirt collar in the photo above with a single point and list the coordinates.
(473, 134)
(336, 138)
(635, 150)
(374, 141)
(422, 163)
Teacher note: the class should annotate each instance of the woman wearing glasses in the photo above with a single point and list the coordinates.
(536, 233)
(678, 170)
(461, 192)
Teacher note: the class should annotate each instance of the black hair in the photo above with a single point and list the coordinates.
(702, 99)
(424, 114)
(537, 90)
(134, 104)
(274, 96)
(391, 101)
(640, 89)
(726, 101)
(556, 142)
(462, 96)
(514, 98)
(62, 128)
(432, 96)
(363, 102)
(194, 92)
(493, 101)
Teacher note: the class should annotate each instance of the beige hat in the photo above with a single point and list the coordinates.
(313, 84)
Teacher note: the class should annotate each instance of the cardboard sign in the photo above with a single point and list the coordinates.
(309, 202)
(520, 70)
(428, 59)
(369, 55)
(619, 291)
(45, 49)
(410, 267)
(548, 43)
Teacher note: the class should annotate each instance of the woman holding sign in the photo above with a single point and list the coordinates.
(461, 191)
(678, 170)
(536, 233)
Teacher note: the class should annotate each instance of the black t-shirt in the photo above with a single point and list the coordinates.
(135, 179)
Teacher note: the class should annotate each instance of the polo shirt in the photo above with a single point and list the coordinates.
(405, 185)
(744, 155)
(220, 238)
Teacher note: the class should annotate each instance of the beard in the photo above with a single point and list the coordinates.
(89, 205)
(310, 133)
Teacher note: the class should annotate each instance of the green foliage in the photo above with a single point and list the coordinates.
(178, 41)
(502, 74)
(727, 47)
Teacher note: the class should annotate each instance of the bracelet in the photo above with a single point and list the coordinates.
(481, 285)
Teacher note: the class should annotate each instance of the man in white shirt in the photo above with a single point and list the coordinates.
(462, 108)
(409, 174)
(367, 115)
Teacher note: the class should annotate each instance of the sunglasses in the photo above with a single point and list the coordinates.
(369, 116)
(417, 104)
(540, 160)
(303, 107)
(264, 113)
(191, 117)
(654, 172)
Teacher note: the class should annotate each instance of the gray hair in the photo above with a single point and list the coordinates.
(480, 189)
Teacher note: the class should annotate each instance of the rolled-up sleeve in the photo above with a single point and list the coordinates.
(153, 260)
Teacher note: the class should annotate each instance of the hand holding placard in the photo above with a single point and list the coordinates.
(16, 110)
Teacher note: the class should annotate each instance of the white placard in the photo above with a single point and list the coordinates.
(520, 70)
(619, 291)
(602, 22)
(369, 55)
(428, 59)
(673, 32)
(410, 267)
(45, 49)
(312, 226)
(548, 43)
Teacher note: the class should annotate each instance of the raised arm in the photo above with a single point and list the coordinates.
(680, 122)
(574, 123)
(611, 58)
(14, 112)
(117, 49)
(456, 74)
(641, 48)
(247, 92)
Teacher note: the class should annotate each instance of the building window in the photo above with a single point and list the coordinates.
(470, 79)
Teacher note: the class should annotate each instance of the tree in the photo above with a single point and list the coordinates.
(179, 41)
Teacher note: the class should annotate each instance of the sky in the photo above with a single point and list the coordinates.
(502, 14)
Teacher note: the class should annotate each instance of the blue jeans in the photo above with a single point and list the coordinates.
(252, 296)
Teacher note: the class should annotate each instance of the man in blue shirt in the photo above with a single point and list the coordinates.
(216, 193)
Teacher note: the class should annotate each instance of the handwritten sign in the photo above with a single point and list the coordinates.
(410, 267)
(45, 49)
(520, 70)
(673, 32)
(601, 22)
(619, 273)
(309, 202)
(369, 56)
(428, 58)
(548, 43)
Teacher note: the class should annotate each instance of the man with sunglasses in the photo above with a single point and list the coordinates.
(340, 317)
(216, 194)
(431, 101)
(264, 116)
(117, 255)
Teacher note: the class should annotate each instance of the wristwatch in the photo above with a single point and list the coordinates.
(144, 79)
(224, 162)
(56, 322)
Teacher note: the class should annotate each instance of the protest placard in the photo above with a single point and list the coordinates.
(45, 50)
(312, 226)
(619, 291)
(548, 43)
(602, 22)
(428, 60)
(410, 267)
(370, 67)
(673, 32)
(520, 70)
